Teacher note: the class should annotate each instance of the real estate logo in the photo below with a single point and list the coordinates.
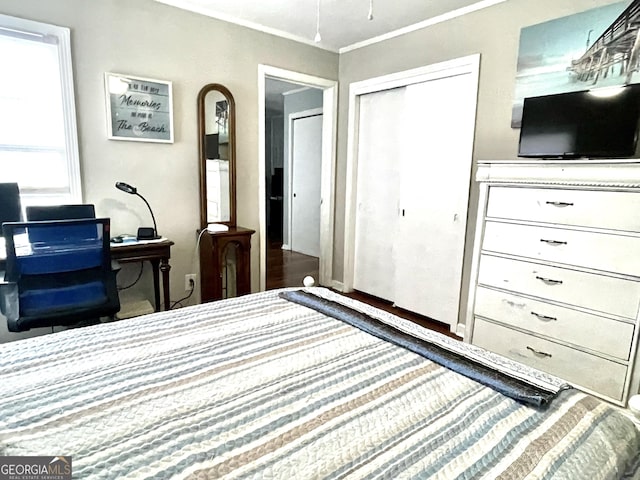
(35, 468)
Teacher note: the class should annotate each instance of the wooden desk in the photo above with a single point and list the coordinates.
(158, 254)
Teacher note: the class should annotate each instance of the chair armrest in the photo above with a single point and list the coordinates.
(9, 300)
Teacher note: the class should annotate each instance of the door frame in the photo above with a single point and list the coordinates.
(459, 66)
(327, 185)
(292, 117)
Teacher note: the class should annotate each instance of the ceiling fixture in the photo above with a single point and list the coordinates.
(370, 16)
(318, 38)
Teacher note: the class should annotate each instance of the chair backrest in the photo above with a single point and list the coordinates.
(40, 213)
(10, 207)
(64, 275)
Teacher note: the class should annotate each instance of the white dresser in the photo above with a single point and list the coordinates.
(556, 270)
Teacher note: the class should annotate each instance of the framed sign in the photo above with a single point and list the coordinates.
(138, 109)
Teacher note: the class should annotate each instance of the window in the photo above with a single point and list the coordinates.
(38, 137)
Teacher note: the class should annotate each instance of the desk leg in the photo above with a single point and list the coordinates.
(155, 263)
(165, 267)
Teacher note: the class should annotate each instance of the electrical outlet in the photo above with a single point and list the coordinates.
(191, 277)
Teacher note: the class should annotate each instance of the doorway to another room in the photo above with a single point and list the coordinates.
(297, 184)
(293, 160)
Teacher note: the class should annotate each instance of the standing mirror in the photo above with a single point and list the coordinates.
(216, 137)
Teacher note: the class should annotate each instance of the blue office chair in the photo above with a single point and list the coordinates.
(41, 213)
(57, 273)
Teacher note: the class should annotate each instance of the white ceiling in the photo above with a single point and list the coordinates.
(343, 23)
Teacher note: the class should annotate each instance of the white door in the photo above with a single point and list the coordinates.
(377, 192)
(306, 167)
(437, 148)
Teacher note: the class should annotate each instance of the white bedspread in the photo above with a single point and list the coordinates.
(258, 387)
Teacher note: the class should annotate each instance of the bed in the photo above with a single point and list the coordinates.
(263, 386)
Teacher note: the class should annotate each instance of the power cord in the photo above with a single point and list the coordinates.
(136, 280)
(192, 284)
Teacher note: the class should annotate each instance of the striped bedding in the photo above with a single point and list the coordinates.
(259, 387)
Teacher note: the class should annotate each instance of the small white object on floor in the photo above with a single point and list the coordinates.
(308, 281)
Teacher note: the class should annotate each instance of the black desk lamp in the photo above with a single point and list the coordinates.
(144, 233)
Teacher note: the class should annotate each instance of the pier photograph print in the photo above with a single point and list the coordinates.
(592, 49)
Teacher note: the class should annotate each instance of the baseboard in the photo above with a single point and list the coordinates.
(285, 247)
(336, 285)
(460, 329)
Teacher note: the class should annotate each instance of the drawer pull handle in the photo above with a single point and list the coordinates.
(560, 204)
(539, 353)
(549, 281)
(544, 318)
(553, 242)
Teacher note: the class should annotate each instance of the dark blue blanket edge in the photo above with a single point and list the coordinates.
(515, 388)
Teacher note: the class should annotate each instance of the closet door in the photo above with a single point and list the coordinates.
(379, 131)
(435, 166)
(305, 185)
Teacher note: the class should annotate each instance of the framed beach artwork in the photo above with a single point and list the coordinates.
(592, 49)
(138, 109)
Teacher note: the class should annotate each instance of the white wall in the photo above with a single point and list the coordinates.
(149, 39)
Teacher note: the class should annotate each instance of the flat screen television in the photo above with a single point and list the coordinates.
(584, 124)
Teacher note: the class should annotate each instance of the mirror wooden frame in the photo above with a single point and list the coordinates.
(211, 87)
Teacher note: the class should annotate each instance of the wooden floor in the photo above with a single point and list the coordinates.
(287, 269)
(400, 312)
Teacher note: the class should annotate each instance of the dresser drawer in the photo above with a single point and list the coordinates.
(601, 251)
(593, 332)
(597, 209)
(576, 367)
(597, 292)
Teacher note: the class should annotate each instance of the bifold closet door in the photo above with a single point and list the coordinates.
(435, 166)
(379, 133)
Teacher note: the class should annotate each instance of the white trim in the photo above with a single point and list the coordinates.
(473, 275)
(296, 90)
(337, 285)
(245, 23)
(68, 95)
(458, 66)
(196, 8)
(69, 105)
(294, 116)
(448, 68)
(327, 189)
(420, 25)
(621, 173)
